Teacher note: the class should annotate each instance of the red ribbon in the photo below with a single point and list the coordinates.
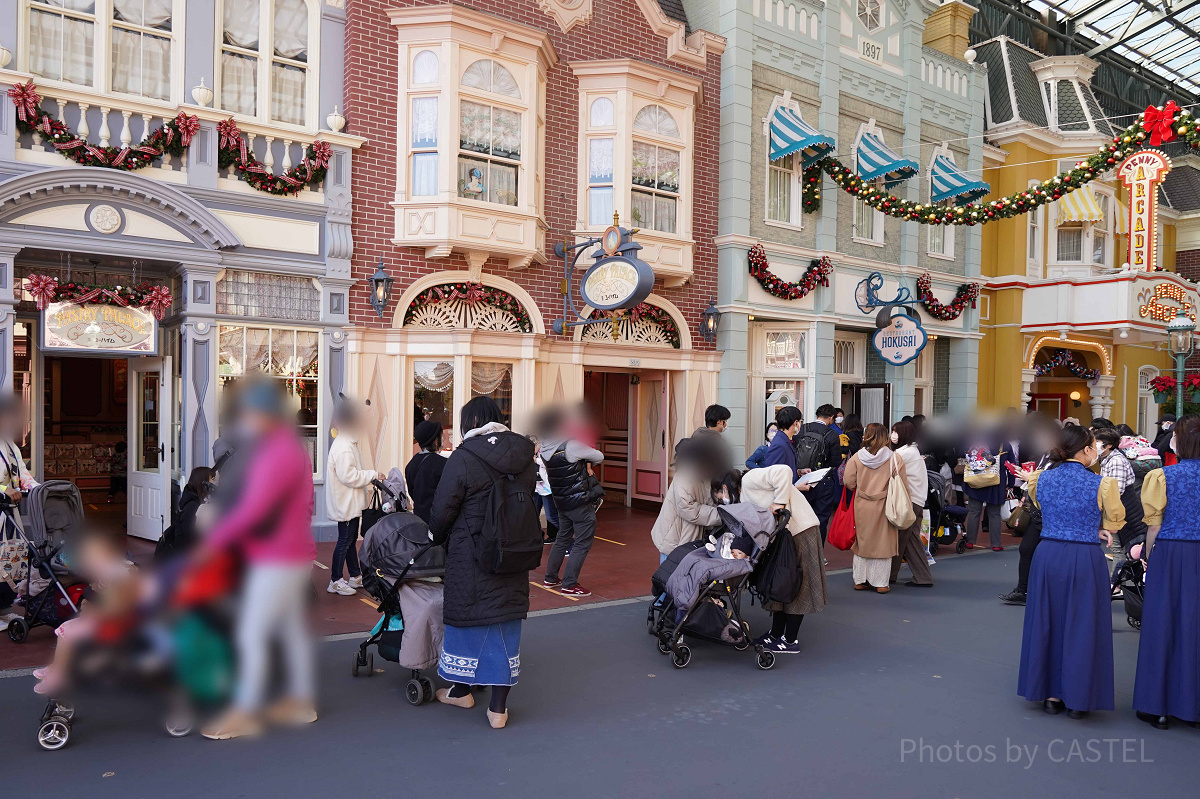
(158, 301)
(1158, 123)
(100, 291)
(26, 99)
(43, 288)
(188, 127)
(321, 153)
(229, 133)
(472, 294)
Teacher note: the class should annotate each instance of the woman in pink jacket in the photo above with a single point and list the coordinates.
(270, 525)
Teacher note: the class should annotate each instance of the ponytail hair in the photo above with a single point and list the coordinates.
(1072, 440)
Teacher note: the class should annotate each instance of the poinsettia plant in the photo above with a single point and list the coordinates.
(1164, 383)
(1190, 383)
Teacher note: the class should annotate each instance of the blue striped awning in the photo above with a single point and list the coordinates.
(950, 183)
(876, 160)
(790, 134)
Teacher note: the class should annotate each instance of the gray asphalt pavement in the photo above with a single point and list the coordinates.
(911, 694)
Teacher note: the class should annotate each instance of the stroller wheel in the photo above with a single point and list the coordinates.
(1134, 623)
(359, 663)
(178, 726)
(414, 692)
(933, 548)
(961, 546)
(371, 665)
(427, 690)
(766, 660)
(18, 629)
(663, 647)
(682, 657)
(54, 733)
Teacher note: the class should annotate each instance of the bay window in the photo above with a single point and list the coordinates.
(489, 136)
(264, 70)
(601, 117)
(655, 173)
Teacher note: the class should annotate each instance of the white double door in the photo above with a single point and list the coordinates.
(150, 406)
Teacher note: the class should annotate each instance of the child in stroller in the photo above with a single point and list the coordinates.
(699, 586)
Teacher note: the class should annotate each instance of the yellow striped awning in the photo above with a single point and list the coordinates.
(1122, 219)
(1079, 206)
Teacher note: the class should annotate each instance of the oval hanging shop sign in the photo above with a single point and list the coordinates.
(901, 341)
(617, 281)
(99, 329)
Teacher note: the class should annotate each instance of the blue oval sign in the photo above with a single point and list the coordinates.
(901, 341)
(617, 281)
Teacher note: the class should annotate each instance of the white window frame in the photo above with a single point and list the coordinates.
(659, 141)
(946, 232)
(493, 100)
(265, 57)
(858, 13)
(102, 23)
(1035, 230)
(876, 237)
(599, 132)
(795, 180)
(1088, 229)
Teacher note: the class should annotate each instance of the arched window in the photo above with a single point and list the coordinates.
(265, 43)
(489, 137)
(656, 119)
(601, 115)
(491, 77)
(425, 68)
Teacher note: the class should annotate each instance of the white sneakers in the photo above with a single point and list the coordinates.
(5, 618)
(355, 582)
(341, 587)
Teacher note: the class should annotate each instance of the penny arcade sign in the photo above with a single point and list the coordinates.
(1142, 173)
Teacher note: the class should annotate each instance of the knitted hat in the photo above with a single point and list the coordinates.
(743, 543)
(427, 433)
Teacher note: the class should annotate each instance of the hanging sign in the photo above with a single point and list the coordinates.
(1141, 173)
(618, 278)
(1153, 307)
(99, 329)
(901, 341)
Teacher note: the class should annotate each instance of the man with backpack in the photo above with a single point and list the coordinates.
(576, 493)
(819, 446)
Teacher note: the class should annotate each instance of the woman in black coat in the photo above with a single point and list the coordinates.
(424, 472)
(483, 611)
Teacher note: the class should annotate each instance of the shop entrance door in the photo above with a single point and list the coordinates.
(648, 435)
(150, 404)
(873, 402)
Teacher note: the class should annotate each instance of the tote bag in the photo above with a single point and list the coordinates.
(898, 508)
(841, 527)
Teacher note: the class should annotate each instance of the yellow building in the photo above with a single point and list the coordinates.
(1068, 328)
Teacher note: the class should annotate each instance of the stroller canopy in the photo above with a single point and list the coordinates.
(744, 517)
(395, 540)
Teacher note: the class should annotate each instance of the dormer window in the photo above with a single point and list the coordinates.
(870, 14)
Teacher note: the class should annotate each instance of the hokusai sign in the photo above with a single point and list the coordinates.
(901, 341)
(99, 329)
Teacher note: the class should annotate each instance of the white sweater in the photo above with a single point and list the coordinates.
(914, 468)
(346, 480)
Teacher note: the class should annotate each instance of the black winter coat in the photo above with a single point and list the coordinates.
(474, 597)
(422, 475)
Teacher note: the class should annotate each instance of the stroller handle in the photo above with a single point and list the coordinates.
(382, 486)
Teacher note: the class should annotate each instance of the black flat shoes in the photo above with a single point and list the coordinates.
(1053, 706)
(1157, 722)
(1077, 714)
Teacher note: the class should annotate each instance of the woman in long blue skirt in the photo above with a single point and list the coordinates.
(1066, 644)
(1168, 670)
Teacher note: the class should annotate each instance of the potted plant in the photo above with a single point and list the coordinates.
(1163, 386)
(1191, 384)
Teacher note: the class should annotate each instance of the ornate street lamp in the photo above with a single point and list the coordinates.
(1180, 344)
(381, 289)
(710, 320)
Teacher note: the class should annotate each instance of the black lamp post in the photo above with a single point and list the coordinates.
(710, 320)
(381, 289)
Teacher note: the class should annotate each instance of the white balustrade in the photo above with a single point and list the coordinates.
(126, 131)
(287, 154)
(269, 154)
(105, 132)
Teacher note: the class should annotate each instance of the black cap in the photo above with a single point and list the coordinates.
(1167, 417)
(427, 432)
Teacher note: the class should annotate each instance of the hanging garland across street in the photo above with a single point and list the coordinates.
(646, 312)
(471, 294)
(816, 274)
(1066, 359)
(967, 293)
(1153, 127)
(46, 289)
(173, 138)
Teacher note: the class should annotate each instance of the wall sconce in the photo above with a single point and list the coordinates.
(381, 289)
(1075, 398)
(202, 94)
(710, 320)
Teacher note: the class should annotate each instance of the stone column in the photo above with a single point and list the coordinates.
(964, 375)
(8, 316)
(1101, 396)
(1028, 376)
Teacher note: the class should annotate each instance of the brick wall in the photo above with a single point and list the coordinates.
(618, 29)
(1187, 263)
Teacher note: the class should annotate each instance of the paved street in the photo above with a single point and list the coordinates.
(600, 713)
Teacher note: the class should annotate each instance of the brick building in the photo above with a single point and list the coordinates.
(495, 130)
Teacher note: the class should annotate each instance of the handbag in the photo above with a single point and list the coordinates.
(1018, 521)
(14, 558)
(984, 476)
(372, 513)
(898, 507)
(842, 534)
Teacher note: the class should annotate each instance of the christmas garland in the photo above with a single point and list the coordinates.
(1152, 127)
(471, 294)
(817, 273)
(46, 289)
(966, 293)
(172, 138)
(1066, 358)
(651, 313)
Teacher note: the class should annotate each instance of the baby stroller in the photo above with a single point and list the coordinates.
(945, 518)
(716, 613)
(401, 569)
(48, 600)
(1130, 577)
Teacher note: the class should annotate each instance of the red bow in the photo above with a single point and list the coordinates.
(26, 99)
(158, 300)
(188, 126)
(43, 288)
(472, 294)
(321, 152)
(230, 135)
(1158, 123)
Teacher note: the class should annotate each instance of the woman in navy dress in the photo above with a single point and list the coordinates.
(1066, 646)
(1168, 670)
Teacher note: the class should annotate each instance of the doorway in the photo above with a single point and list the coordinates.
(873, 403)
(632, 420)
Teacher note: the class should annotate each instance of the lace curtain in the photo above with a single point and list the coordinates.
(141, 60)
(239, 73)
(60, 47)
(433, 375)
(290, 38)
(487, 377)
(276, 351)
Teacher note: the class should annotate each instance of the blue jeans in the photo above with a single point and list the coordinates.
(346, 551)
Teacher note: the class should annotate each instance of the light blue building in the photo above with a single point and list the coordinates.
(258, 280)
(888, 87)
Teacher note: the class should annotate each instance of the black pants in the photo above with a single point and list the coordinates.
(975, 512)
(1029, 542)
(346, 551)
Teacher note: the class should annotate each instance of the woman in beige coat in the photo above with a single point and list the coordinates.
(771, 487)
(877, 540)
(687, 510)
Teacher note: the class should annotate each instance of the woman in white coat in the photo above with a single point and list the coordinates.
(904, 436)
(346, 484)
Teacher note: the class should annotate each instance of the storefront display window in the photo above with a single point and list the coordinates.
(433, 391)
(494, 380)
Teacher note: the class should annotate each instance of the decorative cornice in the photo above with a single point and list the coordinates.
(691, 50)
(569, 14)
(423, 19)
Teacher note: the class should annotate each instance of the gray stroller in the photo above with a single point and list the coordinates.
(53, 511)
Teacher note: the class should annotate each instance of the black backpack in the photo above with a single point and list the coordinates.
(810, 450)
(511, 540)
(778, 577)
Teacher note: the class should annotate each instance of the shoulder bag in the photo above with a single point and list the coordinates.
(842, 533)
(898, 508)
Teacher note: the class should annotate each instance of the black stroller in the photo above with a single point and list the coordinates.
(716, 614)
(54, 510)
(399, 561)
(1130, 577)
(945, 519)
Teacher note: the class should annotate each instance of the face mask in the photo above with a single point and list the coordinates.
(771, 434)
(838, 420)
(1166, 425)
(895, 437)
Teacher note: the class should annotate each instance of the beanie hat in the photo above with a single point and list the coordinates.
(427, 432)
(743, 543)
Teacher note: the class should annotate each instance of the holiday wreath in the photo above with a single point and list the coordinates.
(966, 294)
(816, 274)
